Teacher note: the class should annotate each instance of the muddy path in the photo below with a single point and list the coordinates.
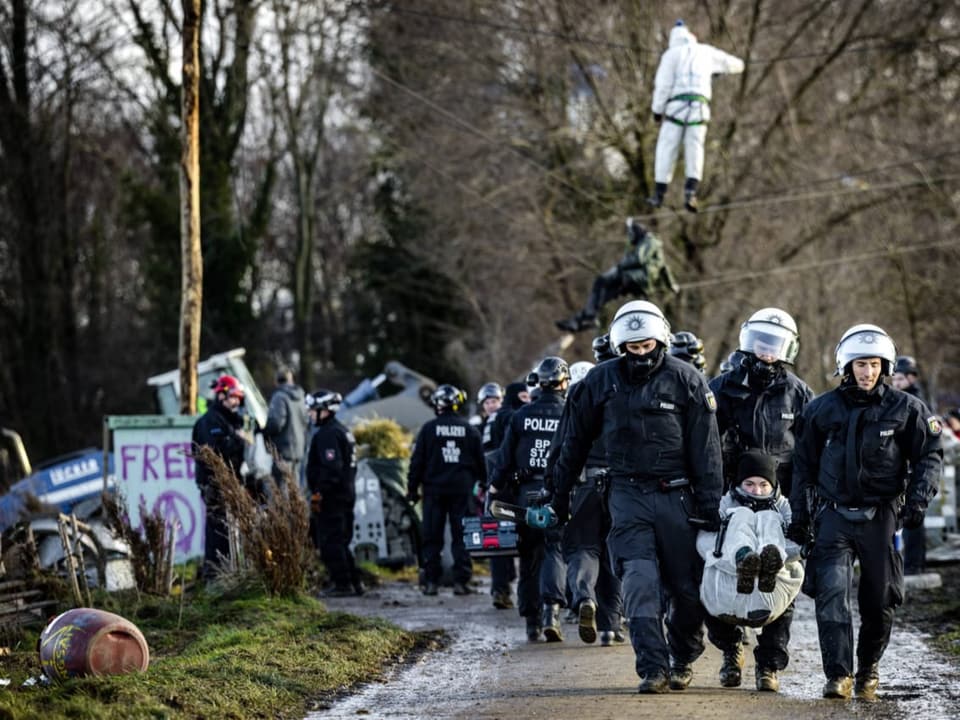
(489, 670)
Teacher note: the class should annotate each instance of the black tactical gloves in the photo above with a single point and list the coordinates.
(799, 532)
(561, 506)
(911, 516)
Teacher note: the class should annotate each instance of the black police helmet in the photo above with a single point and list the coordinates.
(489, 390)
(323, 400)
(905, 365)
(601, 348)
(635, 231)
(686, 344)
(447, 397)
(551, 372)
(688, 347)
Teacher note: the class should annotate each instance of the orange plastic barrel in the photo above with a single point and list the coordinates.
(87, 641)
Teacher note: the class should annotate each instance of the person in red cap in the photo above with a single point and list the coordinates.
(221, 429)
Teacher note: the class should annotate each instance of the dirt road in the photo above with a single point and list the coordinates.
(489, 670)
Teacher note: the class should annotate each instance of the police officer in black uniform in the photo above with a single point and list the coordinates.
(595, 589)
(758, 405)
(221, 429)
(503, 570)
(490, 402)
(331, 472)
(447, 461)
(906, 377)
(655, 416)
(517, 476)
(855, 446)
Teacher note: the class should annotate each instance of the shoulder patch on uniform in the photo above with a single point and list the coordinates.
(711, 401)
(933, 423)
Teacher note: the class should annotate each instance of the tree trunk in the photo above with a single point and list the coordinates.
(191, 291)
(302, 273)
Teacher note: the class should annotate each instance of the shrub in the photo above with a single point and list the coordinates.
(272, 526)
(382, 438)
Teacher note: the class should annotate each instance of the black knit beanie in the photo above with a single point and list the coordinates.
(756, 463)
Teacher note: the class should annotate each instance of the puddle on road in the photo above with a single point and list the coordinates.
(915, 684)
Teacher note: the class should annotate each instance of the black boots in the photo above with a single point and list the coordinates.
(748, 567)
(840, 687)
(550, 620)
(680, 676)
(770, 564)
(659, 191)
(655, 682)
(587, 621)
(767, 680)
(730, 671)
(580, 321)
(866, 683)
(690, 195)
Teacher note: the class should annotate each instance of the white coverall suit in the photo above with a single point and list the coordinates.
(681, 94)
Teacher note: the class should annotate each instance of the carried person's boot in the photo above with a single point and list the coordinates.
(748, 567)
(551, 622)
(770, 564)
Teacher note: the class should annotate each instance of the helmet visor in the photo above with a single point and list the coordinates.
(769, 342)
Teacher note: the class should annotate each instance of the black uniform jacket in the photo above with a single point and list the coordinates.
(859, 455)
(447, 457)
(332, 465)
(527, 441)
(762, 419)
(662, 428)
(217, 428)
(597, 458)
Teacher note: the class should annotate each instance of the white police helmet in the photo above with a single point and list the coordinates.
(636, 321)
(579, 370)
(771, 331)
(866, 341)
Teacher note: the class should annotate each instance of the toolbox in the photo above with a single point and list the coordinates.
(489, 537)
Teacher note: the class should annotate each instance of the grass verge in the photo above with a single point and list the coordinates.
(244, 656)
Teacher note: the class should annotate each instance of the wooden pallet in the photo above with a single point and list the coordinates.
(22, 605)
